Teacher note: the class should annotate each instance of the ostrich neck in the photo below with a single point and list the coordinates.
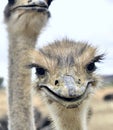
(19, 94)
(69, 119)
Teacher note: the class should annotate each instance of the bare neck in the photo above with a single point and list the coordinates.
(19, 93)
(69, 119)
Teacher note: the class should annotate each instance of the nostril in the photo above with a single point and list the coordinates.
(56, 82)
(79, 81)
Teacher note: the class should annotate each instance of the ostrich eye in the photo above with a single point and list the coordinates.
(40, 71)
(91, 67)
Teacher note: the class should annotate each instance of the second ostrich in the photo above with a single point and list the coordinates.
(25, 20)
(65, 80)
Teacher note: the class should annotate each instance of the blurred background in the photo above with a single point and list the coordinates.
(84, 20)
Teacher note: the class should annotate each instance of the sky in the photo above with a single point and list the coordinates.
(81, 20)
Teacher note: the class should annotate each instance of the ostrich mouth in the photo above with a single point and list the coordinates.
(71, 102)
(32, 7)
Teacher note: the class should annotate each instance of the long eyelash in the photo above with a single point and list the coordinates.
(98, 58)
(32, 65)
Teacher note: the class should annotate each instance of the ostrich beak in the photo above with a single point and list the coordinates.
(69, 85)
(68, 91)
(33, 4)
(69, 94)
(11, 2)
(71, 88)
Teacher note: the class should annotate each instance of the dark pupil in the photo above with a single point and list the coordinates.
(91, 67)
(40, 71)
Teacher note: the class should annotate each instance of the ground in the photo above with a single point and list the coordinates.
(102, 118)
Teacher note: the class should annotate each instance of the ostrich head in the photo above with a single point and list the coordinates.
(26, 15)
(65, 72)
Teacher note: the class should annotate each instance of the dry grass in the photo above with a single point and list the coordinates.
(3, 103)
(102, 111)
(102, 118)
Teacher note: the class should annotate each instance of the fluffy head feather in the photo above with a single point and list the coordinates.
(65, 71)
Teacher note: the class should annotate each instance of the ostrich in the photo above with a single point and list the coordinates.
(65, 81)
(24, 19)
